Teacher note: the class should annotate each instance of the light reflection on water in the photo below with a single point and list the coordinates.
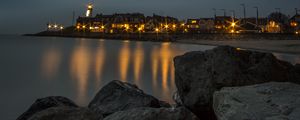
(33, 67)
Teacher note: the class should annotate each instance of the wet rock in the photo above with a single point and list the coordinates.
(164, 104)
(66, 113)
(268, 101)
(45, 103)
(177, 99)
(199, 74)
(297, 66)
(153, 114)
(117, 96)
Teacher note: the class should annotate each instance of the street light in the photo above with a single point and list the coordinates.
(244, 6)
(278, 10)
(233, 13)
(224, 10)
(256, 15)
(215, 12)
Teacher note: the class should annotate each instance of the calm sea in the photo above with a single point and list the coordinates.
(36, 67)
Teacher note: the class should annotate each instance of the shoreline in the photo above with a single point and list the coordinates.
(278, 43)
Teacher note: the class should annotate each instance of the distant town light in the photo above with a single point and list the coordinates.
(194, 21)
(294, 24)
(166, 26)
(174, 26)
(102, 27)
(49, 26)
(182, 24)
(156, 30)
(78, 27)
(232, 31)
(61, 27)
(233, 24)
(297, 32)
(83, 27)
(140, 29)
(55, 26)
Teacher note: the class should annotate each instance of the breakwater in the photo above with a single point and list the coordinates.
(172, 36)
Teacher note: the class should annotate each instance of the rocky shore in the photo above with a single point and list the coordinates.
(224, 83)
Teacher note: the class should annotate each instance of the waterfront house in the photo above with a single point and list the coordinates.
(294, 23)
(202, 25)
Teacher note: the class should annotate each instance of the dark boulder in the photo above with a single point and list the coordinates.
(268, 101)
(153, 114)
(45, 103)
(66, 113)
(297, 66)
(199, 74)
(164, 104)
(117, 96)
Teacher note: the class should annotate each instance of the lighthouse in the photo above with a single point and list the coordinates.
(89, 11)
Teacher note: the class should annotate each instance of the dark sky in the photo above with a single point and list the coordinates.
(30, 16)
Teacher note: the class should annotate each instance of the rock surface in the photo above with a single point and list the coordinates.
(117, 96)
(199, 74)
(297, 66)
(153, 114)
(66, 113)
(45, 103)
(268, 101)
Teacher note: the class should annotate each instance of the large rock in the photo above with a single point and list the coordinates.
(199, 74)
(268, 101)
(297, 66)
(117, 96)
(66, 113)
(45, 103)
(153, 114)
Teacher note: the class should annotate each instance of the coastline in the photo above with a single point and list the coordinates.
(279, 43)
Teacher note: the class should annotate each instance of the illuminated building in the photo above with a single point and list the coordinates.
(89, 11)
(295, 23)
(54, 27)
(202, 25)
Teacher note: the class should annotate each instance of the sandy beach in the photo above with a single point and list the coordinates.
(280, 46)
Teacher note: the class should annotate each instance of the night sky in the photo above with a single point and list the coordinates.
(30, 16)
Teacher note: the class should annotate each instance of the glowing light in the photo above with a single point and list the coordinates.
(78, 27)
(49, 26)
(233, 24)
(79, 69)
(194, 21)
(297, 32)
(174, 26)
(102, 27)
(61, 27)
(51, 61)
(156, 30)
(238, 49)
(88, 12)
(55, 26)
(294, 24)
(138, 62)
(166, 26)
(83, 27)
(139, 29)
(124, 59)
(100, 61)
(182, 24)
(232, 31)
(165, 55)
